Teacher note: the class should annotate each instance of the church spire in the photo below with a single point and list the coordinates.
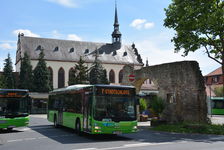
(116, 35)
(115, 17)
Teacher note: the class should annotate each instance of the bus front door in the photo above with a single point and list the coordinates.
(86, 113)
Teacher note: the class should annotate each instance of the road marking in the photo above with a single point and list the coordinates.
(86, 149)
(27, 139)
(128, 146)
(38, 138)
(16, 140)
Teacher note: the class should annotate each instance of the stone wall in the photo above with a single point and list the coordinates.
(181, 85)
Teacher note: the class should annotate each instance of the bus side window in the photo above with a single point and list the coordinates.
(77, 103)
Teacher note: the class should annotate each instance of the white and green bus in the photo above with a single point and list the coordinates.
(14, 105)
(95, 109)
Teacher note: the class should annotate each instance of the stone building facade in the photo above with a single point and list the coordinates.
(181, 86)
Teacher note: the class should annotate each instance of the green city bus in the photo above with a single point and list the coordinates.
(13, 108)
(217, 105)
(94, 109)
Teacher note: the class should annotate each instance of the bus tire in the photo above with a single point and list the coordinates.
(78, 127)
(9, 129)
(55, 122)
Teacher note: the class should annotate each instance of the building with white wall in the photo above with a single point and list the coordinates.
(62, 55)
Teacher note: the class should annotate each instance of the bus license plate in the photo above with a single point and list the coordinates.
(117, 132)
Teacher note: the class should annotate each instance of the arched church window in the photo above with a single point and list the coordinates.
(71, 76)
(120, 76)
(50, 70)
(61, 78)
(112, 76)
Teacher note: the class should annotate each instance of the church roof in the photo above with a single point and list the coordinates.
(67, 50)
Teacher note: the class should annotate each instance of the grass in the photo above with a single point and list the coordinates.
(191, 128)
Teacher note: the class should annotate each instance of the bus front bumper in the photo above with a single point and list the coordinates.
(13, 122)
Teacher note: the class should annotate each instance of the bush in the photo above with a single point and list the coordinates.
(219, 91)
(157, 104)
(143, 104)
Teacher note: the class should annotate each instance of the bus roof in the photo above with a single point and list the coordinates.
(83, 86)
(15, 90)
(114, 86)
(71, 88)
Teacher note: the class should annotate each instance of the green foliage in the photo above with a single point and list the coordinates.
(8, 77)
(2, 83)
(41, 75)
(78, 75)
(198, 23)
(191, 128)
(219, 91)
(97, 74)
(142, 104)
(26, 73)
(157, 104)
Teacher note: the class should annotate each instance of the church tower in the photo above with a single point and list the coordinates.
(116, 35)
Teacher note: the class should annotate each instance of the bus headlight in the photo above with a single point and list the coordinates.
(97, 127)
(135, 127)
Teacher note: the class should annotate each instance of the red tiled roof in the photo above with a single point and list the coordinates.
(218, 71)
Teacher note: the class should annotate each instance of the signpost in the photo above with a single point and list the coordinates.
(131, 77)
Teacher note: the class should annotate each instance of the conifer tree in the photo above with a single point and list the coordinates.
(26, 74)
(79, 75)
(41, 75)
(8, 77)
(97, 74)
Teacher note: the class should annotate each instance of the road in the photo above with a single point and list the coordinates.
(41, 135)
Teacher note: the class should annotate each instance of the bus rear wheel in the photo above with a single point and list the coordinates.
(78, 128)
(55, 122)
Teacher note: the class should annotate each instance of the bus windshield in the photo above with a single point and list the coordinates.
(13, 107)
(113, 108)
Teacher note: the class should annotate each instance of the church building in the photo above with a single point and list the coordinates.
(62, 55)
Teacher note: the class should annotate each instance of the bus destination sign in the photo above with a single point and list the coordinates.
(115, 92)
(12, 94)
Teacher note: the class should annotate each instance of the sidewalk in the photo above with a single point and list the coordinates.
(217, 119)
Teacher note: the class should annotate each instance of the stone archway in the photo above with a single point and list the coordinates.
(182, 81)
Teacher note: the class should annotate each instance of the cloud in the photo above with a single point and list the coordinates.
(141, 23)
(55, 34)
(148, 25)
(7, 46)
(66, 3)
(26, 32)
(73, 37)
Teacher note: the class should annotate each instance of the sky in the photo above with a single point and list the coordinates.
(141, 22)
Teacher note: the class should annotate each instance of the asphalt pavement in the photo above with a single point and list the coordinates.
(41, 135)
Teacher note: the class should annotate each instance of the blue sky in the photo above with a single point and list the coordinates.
(141, 22)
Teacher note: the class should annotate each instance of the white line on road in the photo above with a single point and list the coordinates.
(16, 140)
(128, 146)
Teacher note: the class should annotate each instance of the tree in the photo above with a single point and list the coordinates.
(8, 77)
(26, 73)
(79, 75)
(97, 74)
(198, 24)
(218, 91)
(2, 83)
(41, 80)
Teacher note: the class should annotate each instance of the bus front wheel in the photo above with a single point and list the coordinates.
(9, 129)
